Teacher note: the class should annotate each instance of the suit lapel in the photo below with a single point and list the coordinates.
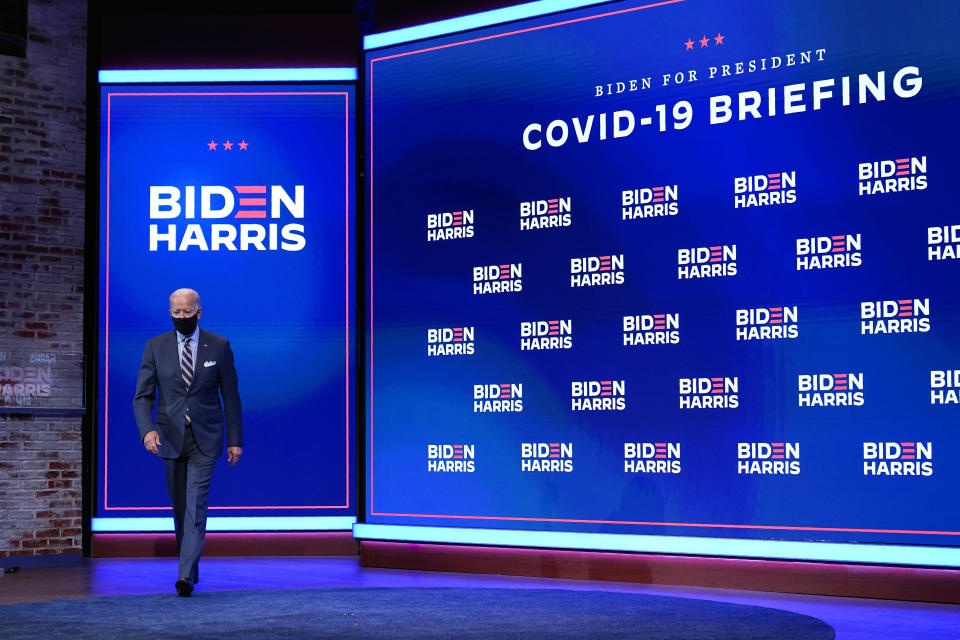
(203, 349)
(174, 350)
(169, 349)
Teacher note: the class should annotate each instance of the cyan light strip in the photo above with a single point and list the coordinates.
(779, 549)
(326, 74)
(275, 523)
(473, 21)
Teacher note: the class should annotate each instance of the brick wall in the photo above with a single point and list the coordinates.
(42, 158)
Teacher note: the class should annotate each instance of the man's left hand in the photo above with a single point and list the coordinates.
(233, 455)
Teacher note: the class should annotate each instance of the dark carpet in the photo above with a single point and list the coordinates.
(406, 613)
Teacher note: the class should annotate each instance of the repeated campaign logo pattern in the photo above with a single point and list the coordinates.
(752, 239)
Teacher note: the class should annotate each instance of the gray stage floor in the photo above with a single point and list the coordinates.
(853, 618)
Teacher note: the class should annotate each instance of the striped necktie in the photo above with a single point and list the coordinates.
(186, 372)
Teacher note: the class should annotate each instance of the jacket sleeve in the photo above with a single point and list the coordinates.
(146, 395)
(230, 393)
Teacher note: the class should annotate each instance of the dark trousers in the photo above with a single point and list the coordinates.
(188, 481)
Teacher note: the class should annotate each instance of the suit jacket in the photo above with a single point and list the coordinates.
(214, 378)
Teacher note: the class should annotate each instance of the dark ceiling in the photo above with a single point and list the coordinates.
(283, 33)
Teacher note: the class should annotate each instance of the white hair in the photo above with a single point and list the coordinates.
(190, 293)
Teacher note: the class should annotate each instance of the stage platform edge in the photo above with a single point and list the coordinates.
(813, 578)
(161, 545)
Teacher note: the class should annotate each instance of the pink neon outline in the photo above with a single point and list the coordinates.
(106, 315)
(529, 29)
(671, 524)
(106, 383)
(370, 349)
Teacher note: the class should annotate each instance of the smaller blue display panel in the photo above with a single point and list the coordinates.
(246, 194)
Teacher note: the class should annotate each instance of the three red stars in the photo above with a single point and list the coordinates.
(228, 146)
(704, 41)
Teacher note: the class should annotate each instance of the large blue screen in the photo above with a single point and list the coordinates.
(683, 268)
(244, 193)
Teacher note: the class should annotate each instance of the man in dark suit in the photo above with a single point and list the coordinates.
(193, 370)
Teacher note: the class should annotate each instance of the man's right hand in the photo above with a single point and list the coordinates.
(151, 441)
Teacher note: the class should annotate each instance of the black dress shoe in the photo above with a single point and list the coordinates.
(184, 587)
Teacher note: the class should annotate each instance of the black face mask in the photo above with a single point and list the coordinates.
(186, 326)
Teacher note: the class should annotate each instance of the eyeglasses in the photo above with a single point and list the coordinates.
(181, 313)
